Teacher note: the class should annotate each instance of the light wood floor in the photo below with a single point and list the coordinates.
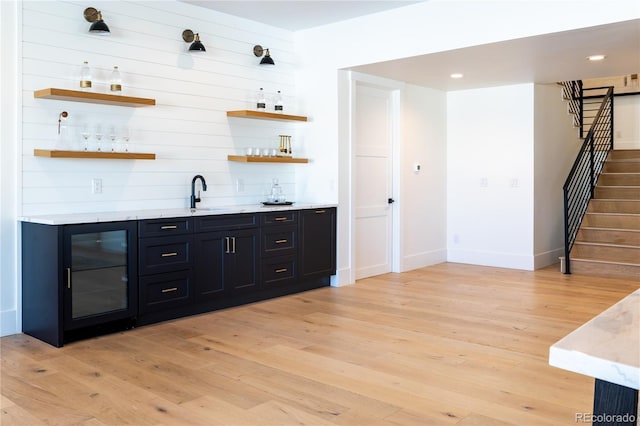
(446, 345)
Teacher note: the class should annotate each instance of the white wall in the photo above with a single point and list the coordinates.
(423, 199)
(9, 136)
(556, 144)
(423, 28)
(490, 176)
(187, 129)
(626, 123)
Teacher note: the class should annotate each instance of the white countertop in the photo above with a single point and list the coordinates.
(607, 347)
(66, 219)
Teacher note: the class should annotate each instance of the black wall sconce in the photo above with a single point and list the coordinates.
(188, 36)
(98, 26)
(267, 59)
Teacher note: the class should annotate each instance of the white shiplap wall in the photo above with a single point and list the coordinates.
(187, 129)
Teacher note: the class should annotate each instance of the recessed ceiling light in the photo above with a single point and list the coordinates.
(596, 57)
(456, 75)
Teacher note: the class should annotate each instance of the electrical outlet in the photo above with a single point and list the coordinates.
(240, 185)
(96, 185)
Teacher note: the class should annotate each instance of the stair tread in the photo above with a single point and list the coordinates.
(620, 173)
(608, 262)
(600, 228)
(599, 244)
(612, 214)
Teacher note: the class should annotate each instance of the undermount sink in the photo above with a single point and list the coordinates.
(205, 209)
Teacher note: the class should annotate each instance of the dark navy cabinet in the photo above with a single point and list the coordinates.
(87, 279)
(78, 277)
(317, 243)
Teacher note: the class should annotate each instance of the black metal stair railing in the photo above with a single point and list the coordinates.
(572, 93)
(581, 182)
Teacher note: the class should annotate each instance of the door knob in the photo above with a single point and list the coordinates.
(391, 201)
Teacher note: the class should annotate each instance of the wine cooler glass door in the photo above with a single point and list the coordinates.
(98, 277)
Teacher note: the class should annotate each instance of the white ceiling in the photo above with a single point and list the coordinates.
(297, 15)
(542, 59)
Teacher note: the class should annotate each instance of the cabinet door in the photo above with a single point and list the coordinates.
(317, 243)
(225, 263)
(101, 279)
(209, 268)
(242, 260)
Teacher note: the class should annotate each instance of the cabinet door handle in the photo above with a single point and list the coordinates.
(169, 290)
(68, 277)
(234, 245)
(169, 254)
(280, 241)
(320, 211)
(281, 270)
(169, 227)
(280, 219)
(226, 239)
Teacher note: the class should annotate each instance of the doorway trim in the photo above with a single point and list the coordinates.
(395, 89)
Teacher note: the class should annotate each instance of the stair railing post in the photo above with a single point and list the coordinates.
(592, 165)
(581, 107)
(611, 125)
(567, 264)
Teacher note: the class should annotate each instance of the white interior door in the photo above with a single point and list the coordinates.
(373, 181)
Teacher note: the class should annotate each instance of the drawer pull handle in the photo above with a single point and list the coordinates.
(281, 270)
(281, 241)
(169, 227)
(169, 290)
(280, 219)
(320, 211)
(68, 277)
(169, 254)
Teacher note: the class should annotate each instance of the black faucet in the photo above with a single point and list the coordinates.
(195, 199)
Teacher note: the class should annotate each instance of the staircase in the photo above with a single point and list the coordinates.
(608, 240)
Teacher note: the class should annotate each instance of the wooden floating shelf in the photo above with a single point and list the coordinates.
(260, 115)
(247, 159)
(54, 153)
(92, 97)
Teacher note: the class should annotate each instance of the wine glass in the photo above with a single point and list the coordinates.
(86, 134)
(113, 137)
(125, 138)
(99, 137)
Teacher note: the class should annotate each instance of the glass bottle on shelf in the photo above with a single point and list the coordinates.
(277, 104)
(85, 76)
(261, 103)
(115, 82)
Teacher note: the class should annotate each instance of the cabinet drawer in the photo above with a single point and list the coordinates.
(288, 217)
(163, 291)
(165, 227)
(279, 240)
(225, 222)
(164, 254)
(279, 271)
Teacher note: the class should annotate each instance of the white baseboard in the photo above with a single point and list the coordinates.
(422, 260)
(497, 260)
(341, 278)
(626, 145)
(542, 260)
(8, 323)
